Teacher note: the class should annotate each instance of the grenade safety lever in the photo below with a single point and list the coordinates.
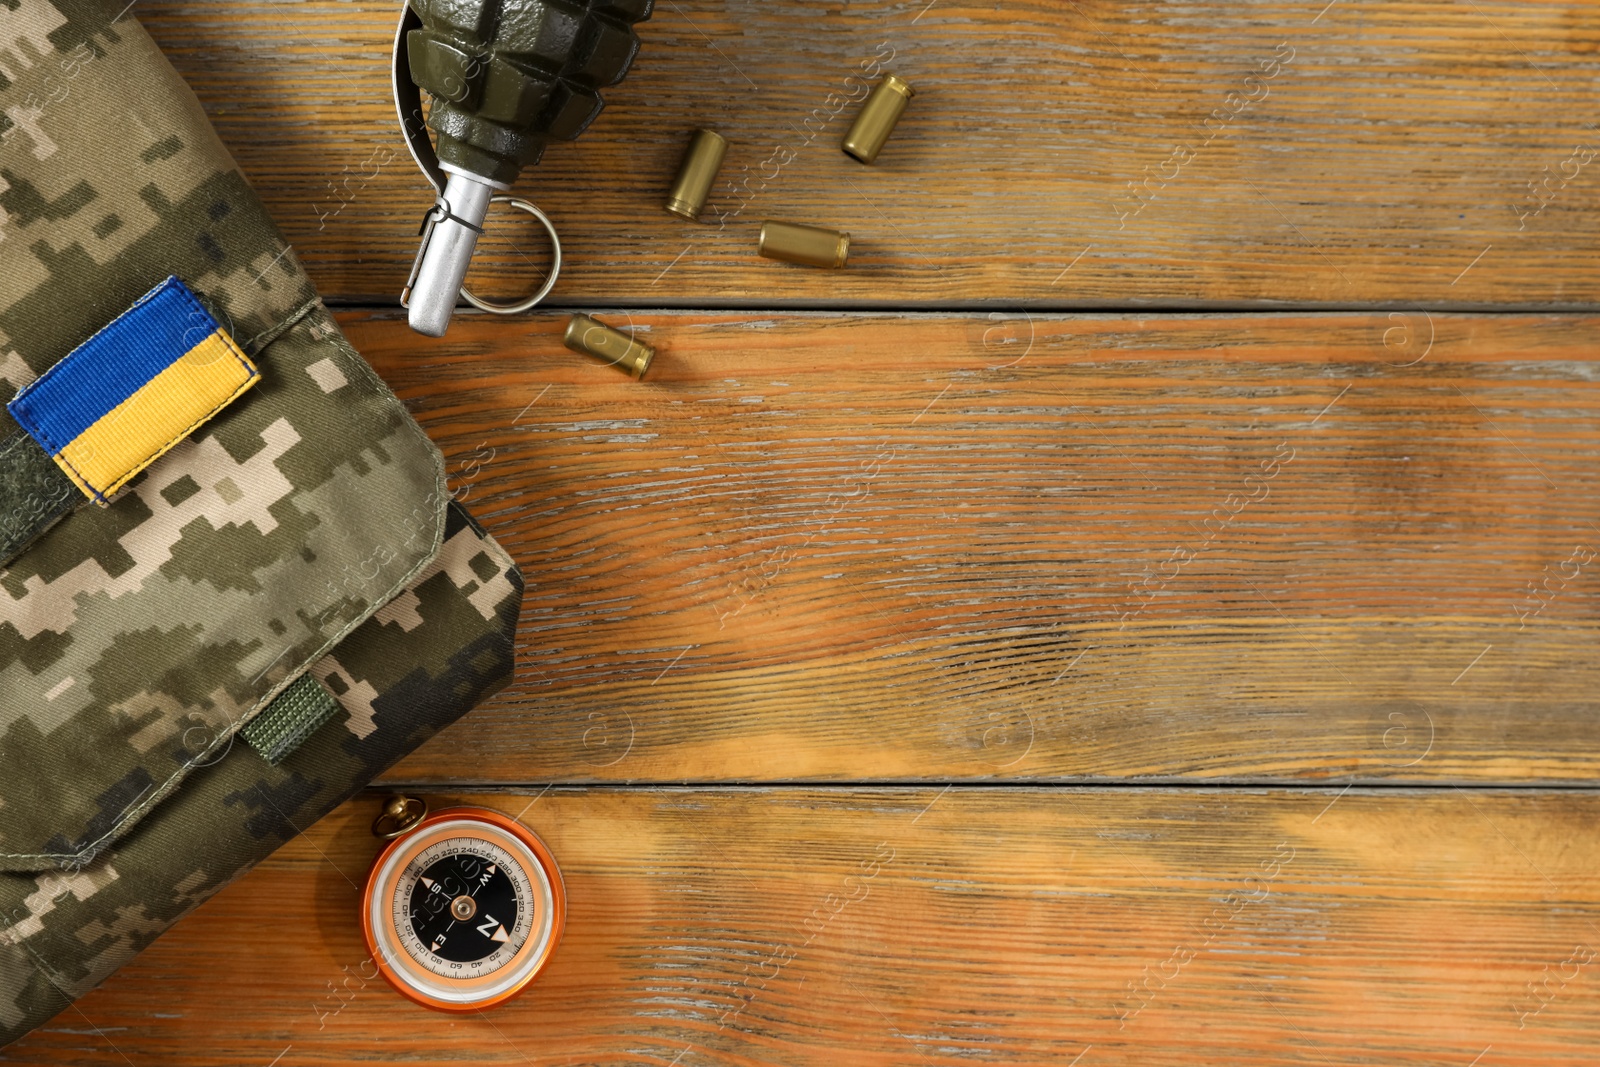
(505, 77)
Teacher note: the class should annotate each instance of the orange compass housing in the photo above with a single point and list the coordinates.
(463, 909)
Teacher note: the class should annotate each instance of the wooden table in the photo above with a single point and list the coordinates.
(1143, 612)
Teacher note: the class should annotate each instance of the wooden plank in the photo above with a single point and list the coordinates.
(1077, 155)
(1016, 926)
(816, 546)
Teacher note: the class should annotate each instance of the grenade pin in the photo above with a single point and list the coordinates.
(452, 226)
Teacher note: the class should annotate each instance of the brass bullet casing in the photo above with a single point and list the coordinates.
(594, 338)
(812, 246)
(697, 173)
(876, 121)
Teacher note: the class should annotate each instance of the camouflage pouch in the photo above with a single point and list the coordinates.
(208, 643)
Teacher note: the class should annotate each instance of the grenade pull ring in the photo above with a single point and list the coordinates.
(460, 248)
(452, 226)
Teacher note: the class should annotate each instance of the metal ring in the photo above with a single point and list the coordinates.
(555, 265)
(400, 813)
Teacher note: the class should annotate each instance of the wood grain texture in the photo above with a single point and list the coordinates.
(896, 926)
(1194, 561)
(1377, 154)
(816, 546)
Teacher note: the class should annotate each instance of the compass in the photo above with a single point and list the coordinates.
(463, 907)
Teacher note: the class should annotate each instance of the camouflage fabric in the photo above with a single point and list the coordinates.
(135, 639)
(305, 529)
(111, 179)
(134, 642)
(445, 644)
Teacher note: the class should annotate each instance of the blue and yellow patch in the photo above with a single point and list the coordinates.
(125, 396)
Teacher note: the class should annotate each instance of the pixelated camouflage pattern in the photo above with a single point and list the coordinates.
(134, 640)
(304, 530)
(111, 179)
(445, 644)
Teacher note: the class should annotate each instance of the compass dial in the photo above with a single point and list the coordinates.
(458, 906)
(465, 910)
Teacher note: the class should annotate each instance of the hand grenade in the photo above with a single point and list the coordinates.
(505, 78)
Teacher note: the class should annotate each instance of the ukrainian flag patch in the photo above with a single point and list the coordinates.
(125, 396)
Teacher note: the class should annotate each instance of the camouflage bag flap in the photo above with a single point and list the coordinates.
(137, 638)
(298, 548)
(425, 658)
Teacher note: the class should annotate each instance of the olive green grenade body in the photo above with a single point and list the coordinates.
(507, 76)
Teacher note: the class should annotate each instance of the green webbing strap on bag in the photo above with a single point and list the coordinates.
(34, 493)
(291, 718)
